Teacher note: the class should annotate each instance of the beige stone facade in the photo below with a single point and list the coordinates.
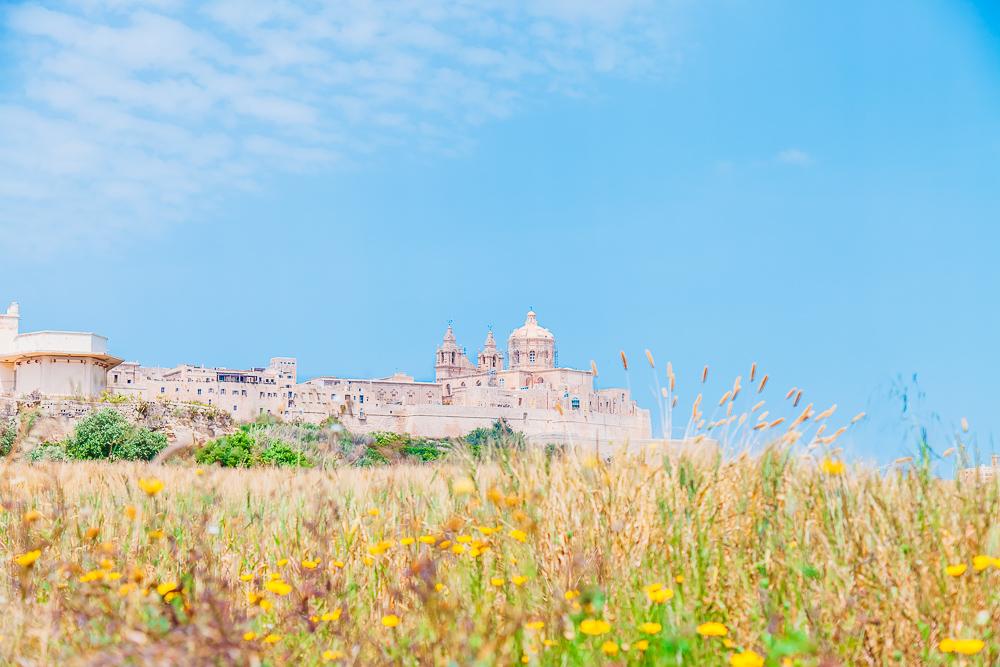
(51, 363)
(983, 473)
(534, 394)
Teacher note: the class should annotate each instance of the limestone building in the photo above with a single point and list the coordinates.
(524, 385)
(51, 363)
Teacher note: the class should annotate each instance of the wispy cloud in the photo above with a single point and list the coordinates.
(794, 156)
(119, 116)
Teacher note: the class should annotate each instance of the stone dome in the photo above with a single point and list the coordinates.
(531, 330)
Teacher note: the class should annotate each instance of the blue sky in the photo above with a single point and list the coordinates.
(811, 186)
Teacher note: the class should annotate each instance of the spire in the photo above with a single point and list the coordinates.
(490, 340)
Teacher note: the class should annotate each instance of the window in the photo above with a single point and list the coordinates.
(575, 403)
(116, 377)
(531, 357)
(199, 392)
(234, 408)
(162, 389)
(222, 392)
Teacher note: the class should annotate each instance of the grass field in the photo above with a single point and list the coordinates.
(774, 559)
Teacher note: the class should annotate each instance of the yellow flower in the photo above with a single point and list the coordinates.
(338, 563)
(963, 646)
(427, 539)
(150, 486)
(92, 533)
(650, 628)
(31, 516)
(535, 625)
(609, 648)
(246, 576)
(125, 589)
(956, 570)
(641, 645)
(390, 621)
(107, 564)
(463, 539)
(373, 512)
(26, 560)
(712, 629)
(272, 639)
(130, 512)
(486, 530)
(458, 549)
(166, 587)
(518, 580)
(331, 615)
(439, 587)
(833, 467)
(594, 627)
(114, 576)
(981, 562)
(658, 593)
(407, 541)
(249, 636)
(463, 487)
(519, 535)
(570, 595)
(278, 587)
(310, 564)
(746, 659)
(156, 534)
(199, 472)
(497, 581)
(679, 578)
(283, 562)
(728, 643)
(549, 643)
(330, 656)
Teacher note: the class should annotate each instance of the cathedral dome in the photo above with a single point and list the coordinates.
(531, 330)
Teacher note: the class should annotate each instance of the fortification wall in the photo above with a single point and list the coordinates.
(446, 421)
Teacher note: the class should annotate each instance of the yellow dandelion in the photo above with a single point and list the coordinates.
(27, 560)
(373, 512)
(331, 615)
(712, 629)
(156, 534)
(278, 587)
(150, 486)
(130, 512)
(427, 539)
(497, 581)
(518, 580)
(166, 587)
(650, 628)
(609, 648)
(390, 620)
(339, 564)
(283, 562)
(249, 636)
(962, 646)
(679, 578)
(571, 594)
(535, 625)
(981, 562)
(199, 472)
(31, 516)
(407, 541)
(519, 535)
(833, 467)
(246, 576)
(641, 645)
(594, 627)
(272, 639)
(746, 659)
(125, 589)
(956, 570)
(330, 656)
(310, 564)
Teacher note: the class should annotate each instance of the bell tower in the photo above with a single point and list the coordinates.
(450, 360)
(490, 358)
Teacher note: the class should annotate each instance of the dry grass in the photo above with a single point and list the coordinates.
(803, 563)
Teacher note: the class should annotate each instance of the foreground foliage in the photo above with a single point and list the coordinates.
(538, 559)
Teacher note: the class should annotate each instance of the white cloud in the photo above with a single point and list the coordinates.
(122, 116)
(794, 156)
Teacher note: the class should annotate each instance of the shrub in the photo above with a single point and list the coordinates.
(8, 433)
(229, 451)
(278, 453)
(48, 451)
(108, 435)
(500, 436)
(249, 447)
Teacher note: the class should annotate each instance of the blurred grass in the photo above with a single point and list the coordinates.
(803, 564)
